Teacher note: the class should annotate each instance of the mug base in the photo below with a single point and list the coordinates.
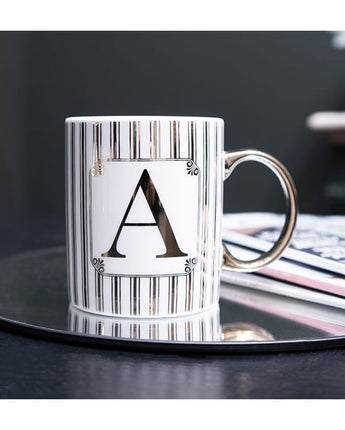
(147, 317)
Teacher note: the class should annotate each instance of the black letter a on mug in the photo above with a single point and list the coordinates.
(158, 212)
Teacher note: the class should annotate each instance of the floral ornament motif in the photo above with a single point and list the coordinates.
(192, 168)
(189, 264)
(98, 264)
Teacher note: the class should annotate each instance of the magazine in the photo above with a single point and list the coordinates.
(318, 241)
(329, 320)
(255, 281)
(296, 273)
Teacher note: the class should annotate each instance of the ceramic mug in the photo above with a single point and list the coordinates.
(144, 211)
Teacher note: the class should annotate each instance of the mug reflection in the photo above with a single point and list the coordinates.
(201, 327)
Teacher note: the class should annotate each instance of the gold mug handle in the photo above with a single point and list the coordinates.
(232, 160)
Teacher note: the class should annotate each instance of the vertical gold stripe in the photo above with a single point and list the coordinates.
(85, 206)
(191, 291)
(195, 142)
(135, 331)
(150, 296)
(159, 140)
(98, 291)
(135, 155)
(154, 301)
(192, 139)
(72, 174)
(111, 141)
(116, 295)
(130, 138)
(155, 139)
(118, 140)
(82, 273)
(178, 140)
(172, 308)
(119, 280)
(151, 140)
(204, 214)
(102, 292)
(169, 294)
(114, 140)
(172, 331)
(207, 171)
(98, 142)
(137, 296)
(83, 220)
(112, 294)
(188, 136)
(170, 138)
(186, 298)
(173, 139)
(158, 293)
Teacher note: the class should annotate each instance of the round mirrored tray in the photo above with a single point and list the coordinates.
(34, 301)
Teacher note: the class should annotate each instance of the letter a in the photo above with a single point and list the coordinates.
(158, 212)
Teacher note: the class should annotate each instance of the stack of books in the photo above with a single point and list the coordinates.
(311, 269)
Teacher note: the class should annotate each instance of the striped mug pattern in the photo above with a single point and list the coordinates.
(144, 210)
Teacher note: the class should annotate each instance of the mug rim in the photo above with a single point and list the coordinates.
(93, 118)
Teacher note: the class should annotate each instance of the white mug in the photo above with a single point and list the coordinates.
(144, 210)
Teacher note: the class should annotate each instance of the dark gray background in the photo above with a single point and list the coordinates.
(263, 84)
